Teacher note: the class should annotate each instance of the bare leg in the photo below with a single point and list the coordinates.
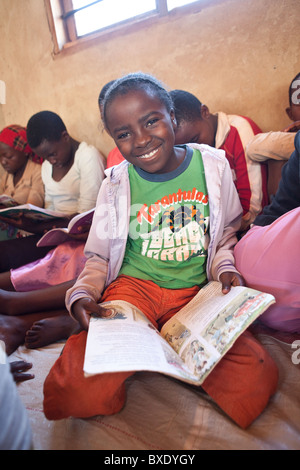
(5, 281)
(21, 303)
(50, 330)
(13, 329)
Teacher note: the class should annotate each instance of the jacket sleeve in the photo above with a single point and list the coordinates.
(92, 279)
(271, 145)
(287, 197)
(230, 220)
(90, 282)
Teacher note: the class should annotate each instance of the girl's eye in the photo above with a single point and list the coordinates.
(123, 135)
(152, 121)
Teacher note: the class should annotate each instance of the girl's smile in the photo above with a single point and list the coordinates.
(143, 130)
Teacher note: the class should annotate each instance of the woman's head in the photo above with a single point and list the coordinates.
(138, 114)
(14, 148)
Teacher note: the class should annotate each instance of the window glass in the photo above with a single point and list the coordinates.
(178, 3)
(108, 12)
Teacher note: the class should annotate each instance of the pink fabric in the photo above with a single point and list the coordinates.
(268, 258)
(63, 263)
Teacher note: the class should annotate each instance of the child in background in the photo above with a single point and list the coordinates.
(231, 133)
(138, 114)
(72, 173)
(22, 179)
(72, 177)
(275, 147)
(269, 253)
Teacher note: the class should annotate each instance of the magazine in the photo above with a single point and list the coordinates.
(188, 346)
(80, 224)
(31, 212)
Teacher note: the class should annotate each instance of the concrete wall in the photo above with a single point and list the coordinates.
(237, 56)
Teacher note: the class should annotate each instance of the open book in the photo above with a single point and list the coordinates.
(31, 212)
(188, 346)
(7, 201)
(78, 225)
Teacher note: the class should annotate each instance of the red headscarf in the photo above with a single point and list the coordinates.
(15, 136)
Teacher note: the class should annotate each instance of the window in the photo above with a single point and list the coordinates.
(73, 21)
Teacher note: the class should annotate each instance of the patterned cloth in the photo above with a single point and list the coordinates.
(15, 136)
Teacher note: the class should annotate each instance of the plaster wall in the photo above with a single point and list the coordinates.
(237, 56)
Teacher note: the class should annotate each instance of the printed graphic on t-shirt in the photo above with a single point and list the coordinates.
(175, 227)
(169, 226)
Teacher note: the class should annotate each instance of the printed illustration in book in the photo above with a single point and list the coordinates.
(79, 225)
(7, 201)
(31, 212)
(188, 346)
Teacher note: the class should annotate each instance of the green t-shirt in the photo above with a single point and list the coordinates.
(168, 233)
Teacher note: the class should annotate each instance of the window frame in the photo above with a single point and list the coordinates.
(64, 30)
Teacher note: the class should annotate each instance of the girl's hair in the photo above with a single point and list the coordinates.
(187, 106)
(133, 82)
(103, 92)
(44, 125)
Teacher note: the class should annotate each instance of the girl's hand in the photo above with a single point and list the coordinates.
(18, 369)
(229, 279)
(83, 308)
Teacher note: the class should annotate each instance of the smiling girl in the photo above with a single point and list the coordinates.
(164, 225)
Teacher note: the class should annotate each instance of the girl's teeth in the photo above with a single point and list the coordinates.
(149, 155)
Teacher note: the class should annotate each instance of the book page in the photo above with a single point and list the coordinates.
(127, 341)
(205, 329)
(77, 229)
(31, 212)
(81, 222)
(189, 345)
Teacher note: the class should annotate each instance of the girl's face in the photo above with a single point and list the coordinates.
(11, 159)
(58, 153)
(199, 131)
(143, 131)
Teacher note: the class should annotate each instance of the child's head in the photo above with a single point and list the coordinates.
(194, 121)
(138, 114)
(14, 149)
(48, 136)
(293, 111)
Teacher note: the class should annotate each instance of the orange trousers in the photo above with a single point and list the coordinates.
(241, 383)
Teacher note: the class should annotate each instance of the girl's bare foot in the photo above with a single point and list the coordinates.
(12, 331)
(49, 330)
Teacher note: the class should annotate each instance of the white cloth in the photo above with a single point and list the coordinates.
(77, 191)
(15, 431)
